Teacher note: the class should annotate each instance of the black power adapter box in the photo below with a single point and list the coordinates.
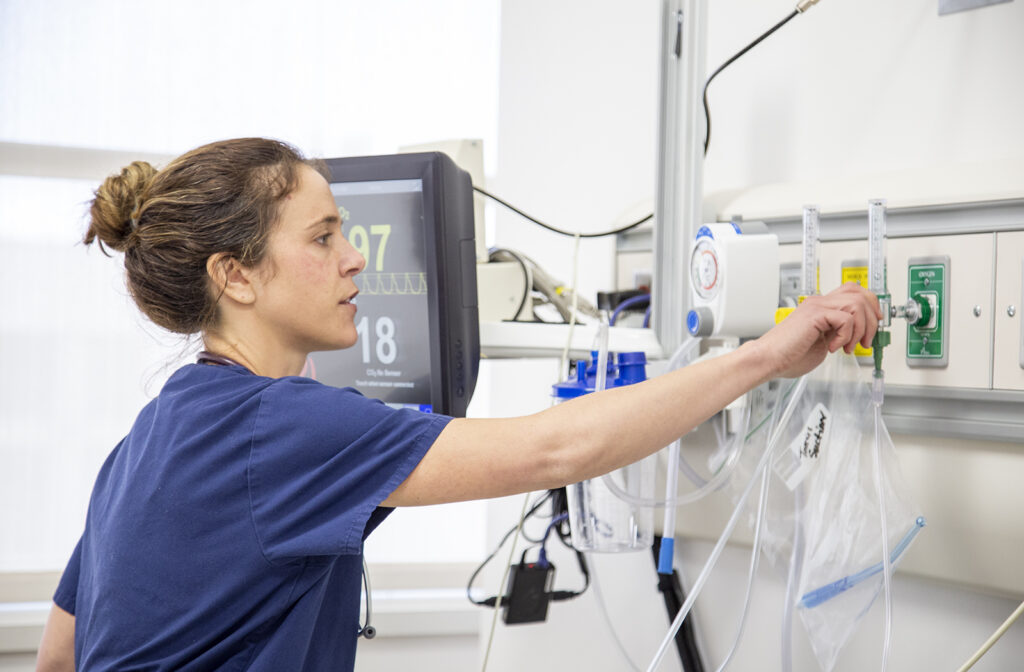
(529, 593)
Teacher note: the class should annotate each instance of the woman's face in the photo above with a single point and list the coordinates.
(305, 296)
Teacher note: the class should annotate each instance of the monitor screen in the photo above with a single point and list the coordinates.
(411, 217)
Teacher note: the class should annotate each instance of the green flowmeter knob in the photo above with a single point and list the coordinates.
(925, 310)
(882, 339)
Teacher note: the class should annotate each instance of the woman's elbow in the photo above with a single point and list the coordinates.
(57, 649)
(565, 460)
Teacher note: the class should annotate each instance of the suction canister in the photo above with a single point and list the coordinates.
(600, 520)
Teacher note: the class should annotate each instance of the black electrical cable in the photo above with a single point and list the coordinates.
(526, 277)
(491, 601)
(557, 230)
(559, 595)
(707, 114)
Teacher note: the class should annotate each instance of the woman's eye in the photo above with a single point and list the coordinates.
(323, 239)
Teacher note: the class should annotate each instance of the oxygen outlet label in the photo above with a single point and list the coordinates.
(928, 340)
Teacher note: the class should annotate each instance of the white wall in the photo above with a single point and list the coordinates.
(850, 88)
(861, 87)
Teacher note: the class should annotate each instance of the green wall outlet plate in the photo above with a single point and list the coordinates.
(928, 283)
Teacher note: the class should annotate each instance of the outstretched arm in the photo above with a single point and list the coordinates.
(596, 433)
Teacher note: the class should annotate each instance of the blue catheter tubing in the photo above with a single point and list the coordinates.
(628, 303)
(668, 532)
(828, 591)
(666, 554)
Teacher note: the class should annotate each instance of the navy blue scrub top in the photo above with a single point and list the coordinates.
(226, 530)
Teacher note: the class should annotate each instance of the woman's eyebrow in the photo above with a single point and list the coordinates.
(326, 219)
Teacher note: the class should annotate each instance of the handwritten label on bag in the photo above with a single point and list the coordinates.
(808, 444)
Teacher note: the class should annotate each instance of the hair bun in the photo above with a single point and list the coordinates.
(115, 205)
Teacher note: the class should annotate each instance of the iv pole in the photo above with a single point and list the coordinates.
(678, 213)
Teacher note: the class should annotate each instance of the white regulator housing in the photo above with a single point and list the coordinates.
(735, 281)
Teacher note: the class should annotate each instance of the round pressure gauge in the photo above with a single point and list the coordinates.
(704, 269)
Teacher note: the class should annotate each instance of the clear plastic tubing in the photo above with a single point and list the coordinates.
(727, 532)
(710, 486)
(682, 357)
(886, 560)
(602, 356)
(796, 562)
(755, 554)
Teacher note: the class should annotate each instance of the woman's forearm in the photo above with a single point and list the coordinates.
(597, 433)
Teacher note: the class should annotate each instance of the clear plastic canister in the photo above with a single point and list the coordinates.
(599, 519)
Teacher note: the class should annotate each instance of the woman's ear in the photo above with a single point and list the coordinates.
(230, 278)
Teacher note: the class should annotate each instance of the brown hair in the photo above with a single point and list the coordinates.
(221, 197)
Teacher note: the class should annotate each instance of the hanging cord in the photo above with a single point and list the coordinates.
(492, 601)
(1000, 631)
(496, 252)
(554, 229)
(504, 581)
(801, 7)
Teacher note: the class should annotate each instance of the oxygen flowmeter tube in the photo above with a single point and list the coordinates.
(877, 280)
(809, 264)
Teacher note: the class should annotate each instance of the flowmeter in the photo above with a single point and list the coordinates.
(734, 273)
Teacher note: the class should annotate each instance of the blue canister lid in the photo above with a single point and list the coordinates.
(573, 388)
(632, 368)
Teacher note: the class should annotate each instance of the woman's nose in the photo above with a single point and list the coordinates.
(352, 262)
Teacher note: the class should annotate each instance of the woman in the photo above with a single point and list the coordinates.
(225, 531)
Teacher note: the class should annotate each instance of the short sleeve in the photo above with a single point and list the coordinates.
(67, 589)
(322, 459)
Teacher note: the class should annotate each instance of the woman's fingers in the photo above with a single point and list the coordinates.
(841, 325)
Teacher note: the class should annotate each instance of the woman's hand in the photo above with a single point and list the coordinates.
(820, 325)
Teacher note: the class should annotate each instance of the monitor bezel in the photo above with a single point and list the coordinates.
(453, 319)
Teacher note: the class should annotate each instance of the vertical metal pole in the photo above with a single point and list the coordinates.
(678, 210)
(679, 203)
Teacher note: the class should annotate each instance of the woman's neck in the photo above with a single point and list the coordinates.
(263, 361)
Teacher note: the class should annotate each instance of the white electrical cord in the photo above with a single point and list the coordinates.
(525, 501)
(1000, 631)
(504, 579)
(563, 368)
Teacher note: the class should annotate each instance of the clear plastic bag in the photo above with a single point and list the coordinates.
(832, 459)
